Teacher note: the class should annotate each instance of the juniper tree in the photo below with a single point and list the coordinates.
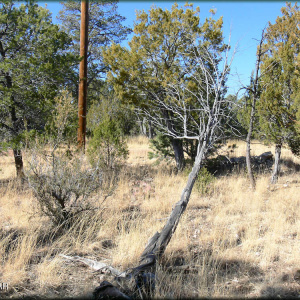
(188, 103)
(280, 78)
(33, 67)
(156, 57)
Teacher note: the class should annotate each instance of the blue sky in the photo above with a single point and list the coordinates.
(243, 21)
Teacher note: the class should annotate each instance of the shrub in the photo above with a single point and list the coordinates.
(204, 180)
(63, 186)
(108, 145)
(162, 149)
(62, 182)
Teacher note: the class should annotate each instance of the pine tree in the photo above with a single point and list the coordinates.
(105, 27)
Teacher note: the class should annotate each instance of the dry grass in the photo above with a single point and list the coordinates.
(234, 242)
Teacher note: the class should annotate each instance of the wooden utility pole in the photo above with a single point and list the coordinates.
(82, 94)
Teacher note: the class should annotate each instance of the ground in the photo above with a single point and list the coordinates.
(231, 241)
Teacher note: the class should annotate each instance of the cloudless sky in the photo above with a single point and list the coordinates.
(243, 23)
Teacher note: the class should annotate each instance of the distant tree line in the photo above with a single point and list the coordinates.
(170, 83)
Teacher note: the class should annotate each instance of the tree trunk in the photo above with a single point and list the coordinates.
(82, 91)
(276, 169)
(19, 164)
(140, 123)
(16, 127)
(144, 126)
(248, 149)
(255, 92)
(179, 155)
(150, 130)
(158, 243)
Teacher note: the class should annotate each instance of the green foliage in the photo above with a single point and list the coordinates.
(106, 106)
(243, 112)
(62, 126)
(108, 145)
(294, 144)
(33, 67)
(280, 83)
(154, 58)
(161, 147)
(204, 181)
(108, 121)
(163, 47)
(105, 27)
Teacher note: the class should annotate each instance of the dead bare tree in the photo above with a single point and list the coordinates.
(196, 100)
(254, 90)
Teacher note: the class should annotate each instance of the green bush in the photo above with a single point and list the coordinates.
(161, 148)
(108, 145)
(204, 181)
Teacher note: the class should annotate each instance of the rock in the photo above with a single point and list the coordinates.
(265, 156)
(238, 160)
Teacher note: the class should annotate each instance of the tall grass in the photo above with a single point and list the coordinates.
(232, 241)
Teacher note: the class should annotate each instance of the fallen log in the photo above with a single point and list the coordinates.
(96, 265)
(144, 274)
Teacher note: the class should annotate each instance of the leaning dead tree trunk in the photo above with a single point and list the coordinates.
(159, 241)
(255, 95)
(144, 273)
(199, 105)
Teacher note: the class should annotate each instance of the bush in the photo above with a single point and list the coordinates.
(162, 148)
(204, 180)
(63, 186)
(62, 182)
(108, 146)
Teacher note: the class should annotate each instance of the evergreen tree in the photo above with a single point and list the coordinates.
(158, 56)
(280, 81)
(105, 27)
(33, 68)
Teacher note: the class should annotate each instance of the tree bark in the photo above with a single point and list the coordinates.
(19, 163)
(82, 92)
(144, 126)
(276, 169)
(158, 243)
(248, 148)
(150, 130)
(144, 273)
(16, 126)
(178, 152)
(255, 92)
